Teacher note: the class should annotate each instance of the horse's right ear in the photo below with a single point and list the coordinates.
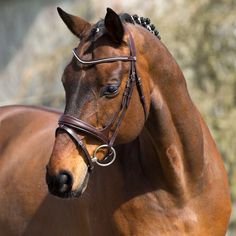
(75, 24)
(114, 25)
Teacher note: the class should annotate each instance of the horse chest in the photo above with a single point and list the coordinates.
(145, 215)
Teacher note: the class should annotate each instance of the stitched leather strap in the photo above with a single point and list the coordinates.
(80, 125)
(103, 60)
(79, 143)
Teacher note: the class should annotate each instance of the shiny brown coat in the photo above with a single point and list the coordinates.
(168, 179)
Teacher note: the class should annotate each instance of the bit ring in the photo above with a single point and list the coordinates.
(100, 163)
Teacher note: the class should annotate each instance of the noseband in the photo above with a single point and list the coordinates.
(71, 124)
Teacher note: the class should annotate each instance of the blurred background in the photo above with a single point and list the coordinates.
(35, 46)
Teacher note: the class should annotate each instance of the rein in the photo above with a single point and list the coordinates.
(71, 125)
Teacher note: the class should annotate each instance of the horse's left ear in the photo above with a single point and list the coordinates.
(114, 26)
(75, 24)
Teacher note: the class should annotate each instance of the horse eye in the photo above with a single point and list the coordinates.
(110, 90)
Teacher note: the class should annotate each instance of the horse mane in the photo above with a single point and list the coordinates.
(133, 19)
(143, 21)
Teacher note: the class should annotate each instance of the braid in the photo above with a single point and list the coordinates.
(146, 23)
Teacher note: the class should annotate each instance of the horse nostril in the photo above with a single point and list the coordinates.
(64, 180)
(59, 184)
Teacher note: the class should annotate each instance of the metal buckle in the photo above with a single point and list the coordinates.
(100, 163)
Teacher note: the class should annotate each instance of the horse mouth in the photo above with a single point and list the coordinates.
(78, 193)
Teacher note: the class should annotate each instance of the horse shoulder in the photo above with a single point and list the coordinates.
(26, 140)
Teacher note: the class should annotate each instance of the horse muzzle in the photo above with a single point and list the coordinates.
(60, 185)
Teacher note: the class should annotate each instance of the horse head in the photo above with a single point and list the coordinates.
(107, 90)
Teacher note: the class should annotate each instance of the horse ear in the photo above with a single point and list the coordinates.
(75, 24)
(114, 26)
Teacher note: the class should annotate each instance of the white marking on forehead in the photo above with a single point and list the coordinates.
(83, 74)
(117, 70)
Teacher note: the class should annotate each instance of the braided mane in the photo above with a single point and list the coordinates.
(133, 19)
(144, 22)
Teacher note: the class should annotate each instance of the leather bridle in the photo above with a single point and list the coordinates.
(71, 124)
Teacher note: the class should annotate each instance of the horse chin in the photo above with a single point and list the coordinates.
(80, 190)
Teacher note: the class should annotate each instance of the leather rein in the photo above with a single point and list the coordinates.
(72, 125)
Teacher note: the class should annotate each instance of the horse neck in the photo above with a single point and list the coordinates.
(172, 138)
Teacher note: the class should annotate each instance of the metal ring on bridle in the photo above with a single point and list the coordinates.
(95, 159)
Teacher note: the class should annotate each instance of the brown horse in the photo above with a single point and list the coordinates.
(125, 97)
